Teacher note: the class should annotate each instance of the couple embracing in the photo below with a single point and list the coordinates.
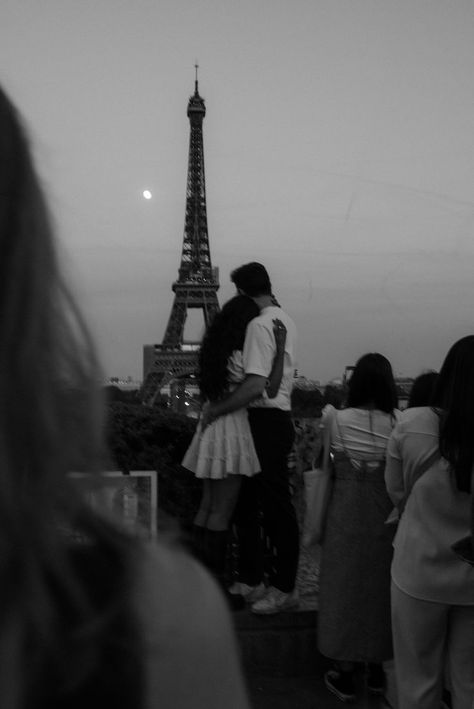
(242, 442)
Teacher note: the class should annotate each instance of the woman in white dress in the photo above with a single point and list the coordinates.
(224, 452)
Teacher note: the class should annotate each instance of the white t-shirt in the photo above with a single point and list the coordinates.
(259, 352)
(363, 434)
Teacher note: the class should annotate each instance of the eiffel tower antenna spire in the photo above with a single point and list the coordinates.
(198, 281)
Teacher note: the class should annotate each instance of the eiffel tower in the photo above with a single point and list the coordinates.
(198, 281)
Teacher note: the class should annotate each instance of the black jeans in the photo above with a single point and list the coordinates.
(268, 492)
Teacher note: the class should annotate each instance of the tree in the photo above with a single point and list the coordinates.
(306, 403)
(335, 395)
(142, 438)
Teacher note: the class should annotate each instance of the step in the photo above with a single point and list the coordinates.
(280, 645)
(284, 645)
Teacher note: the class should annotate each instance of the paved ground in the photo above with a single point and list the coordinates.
(305, 693)
(288, 640)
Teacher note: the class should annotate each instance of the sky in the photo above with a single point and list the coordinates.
(338, 147)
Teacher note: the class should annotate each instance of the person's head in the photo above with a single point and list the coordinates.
(252, 279)
(422, 390)
(231, 322)
(48, 368)
(51, 423)
(225, 334)
(454, 397)
(372, 384)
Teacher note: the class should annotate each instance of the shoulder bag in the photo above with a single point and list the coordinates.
(317, 488)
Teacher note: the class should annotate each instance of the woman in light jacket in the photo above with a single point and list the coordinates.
(432, 588)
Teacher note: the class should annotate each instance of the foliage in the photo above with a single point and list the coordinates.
(334, 395)
(141, 438)
(306, 403)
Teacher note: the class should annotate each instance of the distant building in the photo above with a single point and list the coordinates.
(124, 384)
(404, 385)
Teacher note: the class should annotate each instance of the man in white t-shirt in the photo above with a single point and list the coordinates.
(267, 493)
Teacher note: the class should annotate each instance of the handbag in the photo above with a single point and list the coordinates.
(318, 483)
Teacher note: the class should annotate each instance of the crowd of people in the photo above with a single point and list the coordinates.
(113, 619)
(391, 585)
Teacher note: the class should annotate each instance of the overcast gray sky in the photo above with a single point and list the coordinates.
(338, 148)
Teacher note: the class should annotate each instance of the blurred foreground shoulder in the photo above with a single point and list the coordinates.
(191, 654)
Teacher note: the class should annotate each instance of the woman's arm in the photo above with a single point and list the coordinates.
(249, 389)
(274, 380)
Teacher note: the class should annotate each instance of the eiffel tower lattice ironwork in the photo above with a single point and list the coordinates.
(198, 281)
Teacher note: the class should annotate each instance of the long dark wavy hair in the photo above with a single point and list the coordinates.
(372, 383)
(225, 334)
(454, 399)
(64, 606)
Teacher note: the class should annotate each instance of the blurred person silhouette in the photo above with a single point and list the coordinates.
(265, 498)
(429, 475)
(356, 551)
(90, 616)
(422, 390)
(224, 452)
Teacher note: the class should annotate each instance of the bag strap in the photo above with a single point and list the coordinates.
(339, 429)
(327, 439)
(419, 472)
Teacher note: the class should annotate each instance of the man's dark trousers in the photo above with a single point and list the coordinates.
(268, 491)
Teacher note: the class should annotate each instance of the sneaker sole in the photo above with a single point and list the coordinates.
(377, 691)
(254, 599)
(251, 596)
(347, 698)
(274, 611)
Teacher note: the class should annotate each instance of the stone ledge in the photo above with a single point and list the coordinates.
(283, 644)
(304, 615)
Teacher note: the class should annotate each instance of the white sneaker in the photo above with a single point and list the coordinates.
(276, 601)
(250, 593)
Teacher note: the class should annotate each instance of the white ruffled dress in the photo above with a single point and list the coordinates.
(226, 447)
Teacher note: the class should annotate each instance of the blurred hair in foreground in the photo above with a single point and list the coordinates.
(64, 606)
